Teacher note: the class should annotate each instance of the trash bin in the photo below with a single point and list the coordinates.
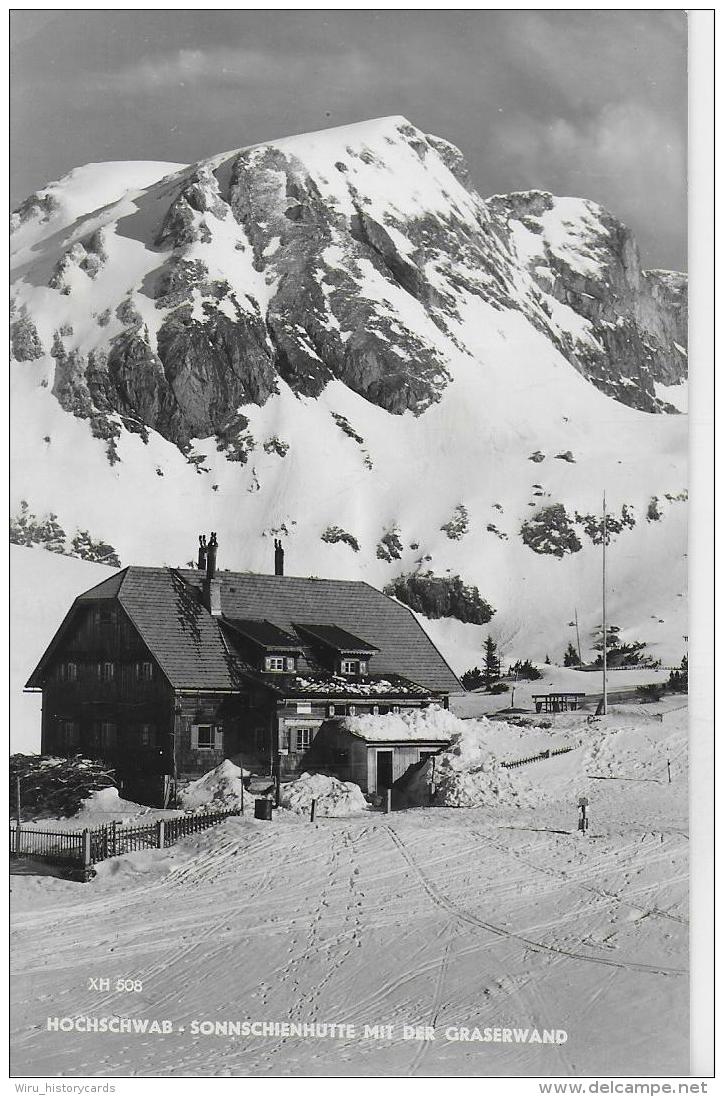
(262, 809)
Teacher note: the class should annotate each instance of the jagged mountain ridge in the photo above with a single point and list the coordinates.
(290, 339)
(318, 247)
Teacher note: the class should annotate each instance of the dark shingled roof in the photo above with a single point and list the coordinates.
(264, 634)
(332, 636)
(189, 645)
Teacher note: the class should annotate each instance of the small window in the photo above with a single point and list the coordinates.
(274, 662)
(108, 736)
(291, 663)
(375, 710)
(363, 666)
(304, 738)
(330, 710)
(144, 672)
(148, 735)
(353, 710)
(350, 666)
(106, 672)
(395, 708)
(67, 672)
(69, 734)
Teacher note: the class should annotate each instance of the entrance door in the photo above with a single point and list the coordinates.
(384, 769)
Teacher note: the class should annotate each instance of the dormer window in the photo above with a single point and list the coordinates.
(275, 662)
(354, 666)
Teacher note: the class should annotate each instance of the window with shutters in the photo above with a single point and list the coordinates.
(207, 737)
(144, 672)
(106, 672)
(67, 672)
(350, 666)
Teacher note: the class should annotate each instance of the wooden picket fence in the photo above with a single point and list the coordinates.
(80, 850)
(536, 757)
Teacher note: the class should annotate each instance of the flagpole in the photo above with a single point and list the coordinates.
(605, 630)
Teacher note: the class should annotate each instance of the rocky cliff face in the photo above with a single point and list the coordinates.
(349, 256)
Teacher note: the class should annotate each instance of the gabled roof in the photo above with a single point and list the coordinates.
(338, 639)
(166, 607)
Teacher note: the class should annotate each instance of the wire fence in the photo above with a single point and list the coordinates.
(82, 849)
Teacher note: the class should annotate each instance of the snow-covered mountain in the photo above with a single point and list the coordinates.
(334, 340)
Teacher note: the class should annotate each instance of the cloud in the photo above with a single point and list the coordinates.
(627, 157)
(235, 67)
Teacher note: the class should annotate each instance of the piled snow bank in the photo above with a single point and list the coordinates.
(334, 797)
(470, 775)
(105, 805)
(432, 724)
(217, 790)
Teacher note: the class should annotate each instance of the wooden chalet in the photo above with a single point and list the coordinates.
(164, 672)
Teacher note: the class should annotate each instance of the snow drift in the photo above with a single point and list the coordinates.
(334, 798)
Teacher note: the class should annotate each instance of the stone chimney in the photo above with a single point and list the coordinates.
(278, 558)
(211, 585)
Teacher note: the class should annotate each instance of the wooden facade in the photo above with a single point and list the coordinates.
(163, 682)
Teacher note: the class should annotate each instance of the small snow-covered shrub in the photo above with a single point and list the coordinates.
(24, 339)
(566, 456)
(390, 546)
(346, 427)
(99, 552)
(593, 524)
(550, 532)
(235, 441)
(276, 445)
(499, 687)
(26, 529)
(458, 525)
(334, 534)
(441, 596)
(537, 457)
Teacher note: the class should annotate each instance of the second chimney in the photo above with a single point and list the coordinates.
(278, 558)
(212, 585)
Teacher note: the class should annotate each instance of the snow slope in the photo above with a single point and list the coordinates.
(456, 339)
(495, 917)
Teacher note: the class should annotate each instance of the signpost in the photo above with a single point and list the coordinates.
(583, 816)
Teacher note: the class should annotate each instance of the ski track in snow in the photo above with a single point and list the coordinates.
(482, 917)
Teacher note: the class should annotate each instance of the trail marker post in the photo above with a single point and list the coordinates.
(583, 816)
(311, 811)
(668, 769)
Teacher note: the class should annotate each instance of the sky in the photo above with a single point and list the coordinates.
(585, 103)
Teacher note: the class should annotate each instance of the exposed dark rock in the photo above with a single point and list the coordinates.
(24, 339)
(550, 532)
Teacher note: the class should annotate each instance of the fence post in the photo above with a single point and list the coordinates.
(17, 800)
(161, 827)
(388, 800)
(86, 850)
(114, 836)
(311, 811)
